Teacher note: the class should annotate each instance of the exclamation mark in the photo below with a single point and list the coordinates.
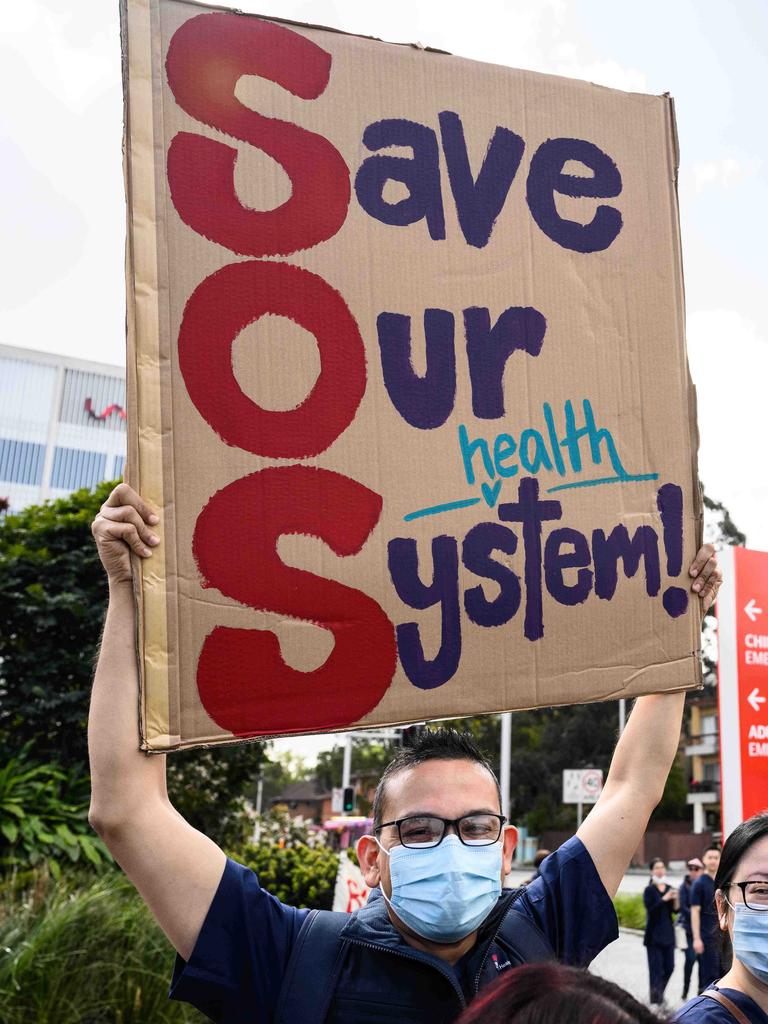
(669, 502)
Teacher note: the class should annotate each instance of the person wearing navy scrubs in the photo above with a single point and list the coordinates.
(660, 899)
(741, 900)
(704, 920)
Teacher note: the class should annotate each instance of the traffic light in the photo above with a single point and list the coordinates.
(348, 803)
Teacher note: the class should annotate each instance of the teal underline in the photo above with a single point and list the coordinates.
(628, 478)
(449, 506)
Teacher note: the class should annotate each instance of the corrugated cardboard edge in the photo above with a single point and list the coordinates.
(695, 620)
(145, 463)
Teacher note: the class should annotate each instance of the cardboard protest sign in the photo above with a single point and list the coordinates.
(407, 377)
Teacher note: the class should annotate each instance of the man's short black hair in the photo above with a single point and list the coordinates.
(432, 745)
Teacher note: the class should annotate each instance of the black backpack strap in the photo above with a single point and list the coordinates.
(524, 939)
(313, 969)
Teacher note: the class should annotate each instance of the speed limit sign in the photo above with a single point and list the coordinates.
(582, 785)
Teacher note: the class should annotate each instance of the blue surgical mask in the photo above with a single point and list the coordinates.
(750, 940)
(444, 892)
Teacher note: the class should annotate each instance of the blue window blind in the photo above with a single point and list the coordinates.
(21, 462)
(119, 466)
(74, 467)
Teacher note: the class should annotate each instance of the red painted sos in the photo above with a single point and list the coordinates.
(242, 680)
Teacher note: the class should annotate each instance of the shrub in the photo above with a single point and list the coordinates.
(297, 875)
(43, 817)
(630, 910)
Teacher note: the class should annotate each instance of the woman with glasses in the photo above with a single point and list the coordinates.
(741, 898)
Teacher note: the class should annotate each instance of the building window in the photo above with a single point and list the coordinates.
(74, 468)
(708, 725)
(21, 462)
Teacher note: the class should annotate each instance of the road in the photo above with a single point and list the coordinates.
(624, 961)
(633, 881)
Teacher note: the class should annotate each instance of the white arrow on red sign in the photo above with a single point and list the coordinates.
(752, 610)
(755, 699)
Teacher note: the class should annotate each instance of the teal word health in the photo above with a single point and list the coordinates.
(569, 448)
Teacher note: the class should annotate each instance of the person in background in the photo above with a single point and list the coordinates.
(741, 895)
(554, 994)
(539, 857)
(660, 899)
(704, 920)
(695, 868)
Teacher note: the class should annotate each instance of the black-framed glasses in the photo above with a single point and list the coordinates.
(754, 894)
(424, 830)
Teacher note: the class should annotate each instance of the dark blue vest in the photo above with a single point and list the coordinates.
(360, 970)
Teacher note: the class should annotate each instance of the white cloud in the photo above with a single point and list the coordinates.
(729, 366)
(723, 173)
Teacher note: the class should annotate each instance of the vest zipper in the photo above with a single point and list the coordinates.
(449, 976)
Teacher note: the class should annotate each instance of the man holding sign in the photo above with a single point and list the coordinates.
(426, 942)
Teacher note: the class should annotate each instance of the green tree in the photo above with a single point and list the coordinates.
(53, 594)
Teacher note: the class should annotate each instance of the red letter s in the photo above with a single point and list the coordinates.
(206, 58)
(242, 680)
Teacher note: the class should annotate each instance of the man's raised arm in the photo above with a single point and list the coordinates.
(175, 868)
(641, 762)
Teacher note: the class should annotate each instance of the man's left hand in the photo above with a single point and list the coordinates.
(706, 575)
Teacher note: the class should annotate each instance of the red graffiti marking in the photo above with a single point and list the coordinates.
(109, 411)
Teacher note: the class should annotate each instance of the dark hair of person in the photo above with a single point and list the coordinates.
(714, 848)
(539, 857)
(555, 994)
(736, 845)
(655, 861)
(431, 745)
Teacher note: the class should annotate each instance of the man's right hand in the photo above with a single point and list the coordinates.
(123, 525)
(175, 868)
(698, 946)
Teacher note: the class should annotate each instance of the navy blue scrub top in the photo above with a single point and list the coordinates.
(706, 1011)
(236, 968)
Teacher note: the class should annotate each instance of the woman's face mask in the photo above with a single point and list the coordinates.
(750, 940)
(444, 892)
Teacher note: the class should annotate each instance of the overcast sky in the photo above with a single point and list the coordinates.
(61, 202)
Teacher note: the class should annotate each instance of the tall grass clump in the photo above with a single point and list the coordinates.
(83, 951)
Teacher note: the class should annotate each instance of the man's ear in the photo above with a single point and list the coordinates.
(510, 843)
(368, 857)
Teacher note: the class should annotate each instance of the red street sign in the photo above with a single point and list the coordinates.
(742, 623)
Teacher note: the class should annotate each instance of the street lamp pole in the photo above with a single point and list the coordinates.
(505, 767)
